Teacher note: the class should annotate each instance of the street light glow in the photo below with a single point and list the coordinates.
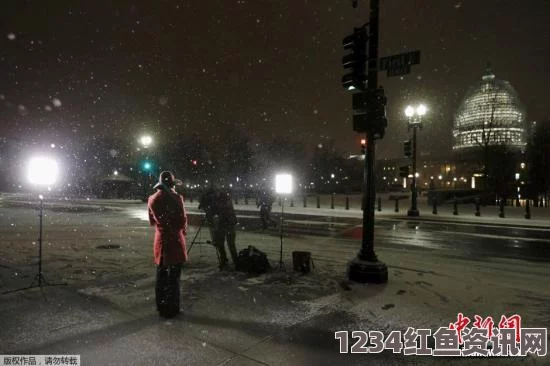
(42, 171)
(146, 140)
(421, 110)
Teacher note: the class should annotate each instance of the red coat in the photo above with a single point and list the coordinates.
(167, 214)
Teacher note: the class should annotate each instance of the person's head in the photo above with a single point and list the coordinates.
(168, 179)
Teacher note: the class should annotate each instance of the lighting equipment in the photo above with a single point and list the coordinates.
(283, 186)
(41, 172)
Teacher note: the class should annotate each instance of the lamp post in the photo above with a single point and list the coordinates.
(146, 141)
(414, 114)
(283, 186)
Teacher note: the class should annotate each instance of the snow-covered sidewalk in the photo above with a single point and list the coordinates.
(107, 313)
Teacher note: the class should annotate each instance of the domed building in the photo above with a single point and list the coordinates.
(490, 114)
(490, 135)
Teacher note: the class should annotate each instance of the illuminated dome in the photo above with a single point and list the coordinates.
(490, 114)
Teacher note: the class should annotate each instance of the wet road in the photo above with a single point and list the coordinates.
(450, 239)
(458, 240)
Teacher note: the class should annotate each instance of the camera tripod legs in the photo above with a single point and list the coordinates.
(203, 223)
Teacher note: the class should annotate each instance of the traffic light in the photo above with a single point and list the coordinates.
(363, 146)
(147, 166)
(407, 148)
(404, 171)
(369, 112)
(356, 60)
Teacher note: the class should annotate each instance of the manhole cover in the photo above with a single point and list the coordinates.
(108, 246)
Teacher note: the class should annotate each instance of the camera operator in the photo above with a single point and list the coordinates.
(225, 221)
(265, 203)
(207, 203)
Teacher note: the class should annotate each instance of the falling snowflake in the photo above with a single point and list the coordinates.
(56, 102)
(47, 108)
(11, 36)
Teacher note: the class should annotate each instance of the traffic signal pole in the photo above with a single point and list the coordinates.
(367, 244)
(365, 267)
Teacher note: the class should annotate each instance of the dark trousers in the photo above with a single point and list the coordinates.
(167, 289)
(221, 235)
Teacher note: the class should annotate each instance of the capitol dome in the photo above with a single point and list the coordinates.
(490, 114)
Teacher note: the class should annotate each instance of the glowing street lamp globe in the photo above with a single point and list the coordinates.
(42, 171)
(283, 183)
(421, 110)
(146, 140)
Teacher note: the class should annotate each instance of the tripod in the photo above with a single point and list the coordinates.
(202, 224)
(39, 276)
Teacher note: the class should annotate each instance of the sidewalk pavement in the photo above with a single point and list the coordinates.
(107, 315)
(513, 216)
(228, 319)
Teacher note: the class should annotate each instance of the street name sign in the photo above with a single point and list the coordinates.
(400, 64)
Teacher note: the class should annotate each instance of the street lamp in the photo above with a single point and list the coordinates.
(283, 186)
(414, 115)
(146, 141)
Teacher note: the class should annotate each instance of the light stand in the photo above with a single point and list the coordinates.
(39, 277)
(283, 185)
(282, 225)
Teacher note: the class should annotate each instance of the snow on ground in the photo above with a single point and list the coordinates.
(426, 289)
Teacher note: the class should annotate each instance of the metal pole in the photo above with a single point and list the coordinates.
(365, 267)
(367, 244)
(414, 209)
(282, 222)
(40, 244)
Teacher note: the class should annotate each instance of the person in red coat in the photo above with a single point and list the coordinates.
(167, 213)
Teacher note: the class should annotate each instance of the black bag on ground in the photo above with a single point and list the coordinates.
(252, 260)
(302, 262)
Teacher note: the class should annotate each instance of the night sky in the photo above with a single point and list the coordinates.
(270, 67)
